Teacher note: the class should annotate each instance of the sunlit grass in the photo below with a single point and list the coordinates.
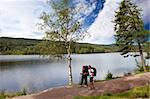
(4, 95)
(138, 92)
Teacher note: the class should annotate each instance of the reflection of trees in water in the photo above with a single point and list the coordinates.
(4, 65)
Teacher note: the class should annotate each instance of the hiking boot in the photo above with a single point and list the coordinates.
(80, 86)
(85, 86)
(91, 88)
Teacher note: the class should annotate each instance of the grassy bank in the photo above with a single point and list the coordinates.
(4, 95)
(138, 92)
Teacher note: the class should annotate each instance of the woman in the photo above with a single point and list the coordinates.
(91, 74)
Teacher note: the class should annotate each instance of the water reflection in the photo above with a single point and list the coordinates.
(36, 73)
(4, 65)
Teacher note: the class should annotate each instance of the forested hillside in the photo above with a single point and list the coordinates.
(21, 46)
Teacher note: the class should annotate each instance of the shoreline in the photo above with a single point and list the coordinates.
(114, 86)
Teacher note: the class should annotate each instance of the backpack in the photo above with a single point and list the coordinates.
(86, 70)
(94, 69)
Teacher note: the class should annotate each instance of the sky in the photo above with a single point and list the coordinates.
(18, 18)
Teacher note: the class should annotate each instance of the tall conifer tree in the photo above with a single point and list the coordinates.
(129, 28)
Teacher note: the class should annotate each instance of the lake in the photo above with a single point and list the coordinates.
(36, 73)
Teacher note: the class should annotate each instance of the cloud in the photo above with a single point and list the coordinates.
(102, 30)
(97, 6)
(19, 18)
(144, 5)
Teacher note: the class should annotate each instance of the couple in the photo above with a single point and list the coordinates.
(88, 71)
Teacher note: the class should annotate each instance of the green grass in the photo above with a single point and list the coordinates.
(4, 95)
(138, 92)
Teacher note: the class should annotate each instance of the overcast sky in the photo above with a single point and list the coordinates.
(18, 18)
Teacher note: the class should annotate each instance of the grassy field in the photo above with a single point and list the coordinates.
(138, 92)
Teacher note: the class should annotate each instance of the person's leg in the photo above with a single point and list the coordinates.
(91, 83)
(86, 80)
(93, 86)
(82, 78)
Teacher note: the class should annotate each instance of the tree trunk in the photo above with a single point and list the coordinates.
(69, 64)
(142, 57)
(70, 70)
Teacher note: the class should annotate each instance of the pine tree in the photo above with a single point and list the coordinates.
(129, 28)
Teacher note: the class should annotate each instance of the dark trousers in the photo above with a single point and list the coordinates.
(84, 78)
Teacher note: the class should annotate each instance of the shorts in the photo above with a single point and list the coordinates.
(91, 79)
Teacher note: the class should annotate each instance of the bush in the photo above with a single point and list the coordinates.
(109, 76)
(4, 95)
(22, 93)
(140, 68)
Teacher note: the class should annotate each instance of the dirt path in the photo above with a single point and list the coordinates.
(111, 86)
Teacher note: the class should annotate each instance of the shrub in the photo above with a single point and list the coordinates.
(109, 76)
(140, 68)
(4, 95)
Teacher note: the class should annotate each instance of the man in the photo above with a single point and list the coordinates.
(92, 74)
(84, 74)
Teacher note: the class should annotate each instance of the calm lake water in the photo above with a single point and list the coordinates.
(35, 73)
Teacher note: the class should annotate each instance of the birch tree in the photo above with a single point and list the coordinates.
(62, 25)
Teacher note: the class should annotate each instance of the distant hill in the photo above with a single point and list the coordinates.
(23, 46)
